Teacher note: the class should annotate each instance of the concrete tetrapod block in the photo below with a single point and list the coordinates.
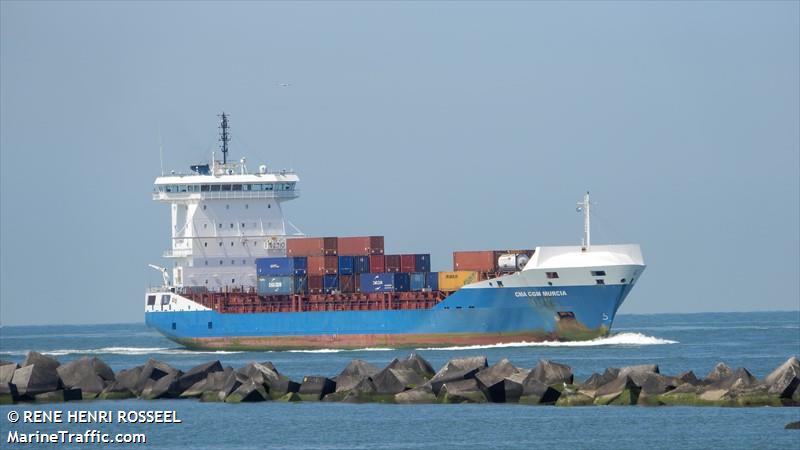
(394, 381)
(416, 363)
(740, 378)
(596, 380)
(163, 387)
(689, 377)
(314, 388)
(355, 371)
(40, 360)
(421, 394)
(8, 393)
(641, 368)
(153, 370)
(719, 372)
(494, 381)
(783, 381)
(250, 391)
(124, 386)
(7, 372)
(198, 373)
(59, 395)
(35, 379)
(458, 369)
(90, 375)
(621, 391)
(550, 373)
(214, 382)
(535, 392)
(462, 391)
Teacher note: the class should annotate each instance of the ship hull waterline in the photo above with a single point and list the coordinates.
(469, 317)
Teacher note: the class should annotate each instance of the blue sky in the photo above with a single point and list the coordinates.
(443, 126)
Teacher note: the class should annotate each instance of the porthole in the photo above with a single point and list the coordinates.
(205, 244)
(622, 280)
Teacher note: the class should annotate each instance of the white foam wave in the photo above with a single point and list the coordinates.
(621, 339)
(126, 351)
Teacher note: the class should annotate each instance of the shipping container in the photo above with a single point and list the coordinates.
(281, 266)
(301, 284)
(347, 283)
(417, 281)
(408, 263)
(330, 283)
(453, 281)
(315, 284)
(393, 263)
(376, 282)
(323, 265)
(361, 245)
(361, 264)
(311, 246)
(377, 264)
(402, 282)
(275, 285)
(345, 265)
(482, 261)
(422, 262)
(432, 281)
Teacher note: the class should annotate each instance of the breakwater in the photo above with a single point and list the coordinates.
(41, 378)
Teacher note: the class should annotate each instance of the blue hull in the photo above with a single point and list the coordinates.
(467, 317)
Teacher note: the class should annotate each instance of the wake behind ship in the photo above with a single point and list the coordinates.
(243, 277)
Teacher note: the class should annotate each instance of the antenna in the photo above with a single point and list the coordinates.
(224, 137)
(585, 207)
(160, 151)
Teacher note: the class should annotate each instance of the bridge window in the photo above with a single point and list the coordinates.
(598, 273)
(151, 300)
(267, 187)
(214, 188)
(255, 187)
(600, 281)
(551, 275)
(205, 188)
(225, 187)
(236, 187)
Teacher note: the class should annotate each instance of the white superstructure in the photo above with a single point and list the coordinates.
(223, 218)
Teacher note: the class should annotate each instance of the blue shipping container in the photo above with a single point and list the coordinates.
(432, 281)
(330, 283)
(281, 267)
(361, 264)
(345, 265)
(301, 284)
(300, 265)
(422, 263)
(376, 282)
(417, 281)
(275, 285)
(402, 282)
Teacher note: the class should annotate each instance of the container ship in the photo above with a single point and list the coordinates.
(243, 277)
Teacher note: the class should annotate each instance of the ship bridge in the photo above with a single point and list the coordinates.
(223, 218)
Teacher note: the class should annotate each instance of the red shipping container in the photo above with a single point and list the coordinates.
(408, 263)
(393, 263)
(323, 265)
(315, 284)
(377, 264)
(311, 246)
(483, 261)
(360, 245)
(347, 283)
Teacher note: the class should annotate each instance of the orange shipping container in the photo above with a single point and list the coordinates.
(311, 246)
(483, 261)
(323, 265)
(360, 245)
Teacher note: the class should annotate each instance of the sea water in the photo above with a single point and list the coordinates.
(676, 342)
